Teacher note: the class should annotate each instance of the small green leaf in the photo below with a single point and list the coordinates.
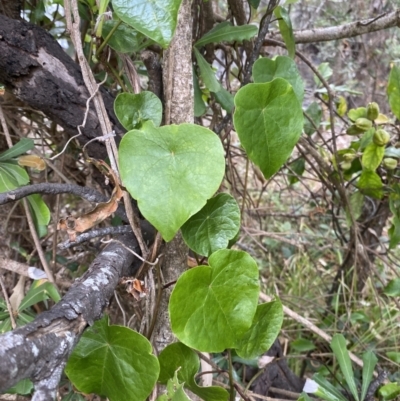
(171, 171)
(331, 392)
(393, 91)
(18, 149)
(156, 19)
(179, 358)
(370, 184)
(7, 180)
(356, 203)
(304, 397)
(134, 110)
(226, 32)
(225, 99)
(213, 226)
(41, 213)
(360, 112)
(339, 348)
(302, 345)
(313, 111)
(266, 70)
(211, 307)
(285, 27)
(394, 232)
(325, 71)
(125, 39)
(372, 156)
(122, 366)
(393, 288)
(254, 3)
(175, 390)
(269, 120)
(369, 363)
(393, 356)
(298, 167)
(261, 335)
(389, 391)
(199, 105)
(23, 387)
(207, 73)
(392, 152)
(39, 293)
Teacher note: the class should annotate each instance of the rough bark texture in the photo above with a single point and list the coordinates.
(178, 90)
(40, 349)
(35, 68)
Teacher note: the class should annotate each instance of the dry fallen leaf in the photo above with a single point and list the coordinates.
(79, 224)
(134, 287)
(33, 161)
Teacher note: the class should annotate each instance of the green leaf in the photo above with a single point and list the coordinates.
(356, 203)
(134, 110)
(370, 184)
(175, 390)
(5, 326)
(39, 293)
(179, 356)
(254, 3)
(18, 149)
(266, 70)
(211, 307)
(302, 345)
(14, 173)
(285, 27)
(393, 356)
(393, 288)
(372, 156)
(325, 71)
(225, 99)
(298, 166)
(171, 171)
(156, 18)
(394, 233)
(369, 361)
(207, 73)
(226, 32)
(213, 226)
(269, 120)
(199, 105)
(122, 366)
(125, 39)
(304, 397)
(392, 152)
(41, 213)
(393, 91)
(331, 392)
(261, 335)
(7, 180)
(389, 391)
(339, 348)
(313, 111)
(23, 387)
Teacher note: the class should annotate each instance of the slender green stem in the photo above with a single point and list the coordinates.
(231, 381)
(101, 47)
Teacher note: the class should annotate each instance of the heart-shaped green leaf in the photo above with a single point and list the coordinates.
(171, 171)
(261, 335)
(179, 356)
(156, 18)
(266, 69)
(134, 110)
(114, 362)
(211, 307)
(269, 120)
(214, 226)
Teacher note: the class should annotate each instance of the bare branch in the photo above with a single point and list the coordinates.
(40, 349)
(383, 21)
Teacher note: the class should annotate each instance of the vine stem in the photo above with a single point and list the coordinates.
(232, 391)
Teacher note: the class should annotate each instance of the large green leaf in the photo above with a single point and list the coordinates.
(261, 335)
(393, 91)
(285, 27)
(339, 348)
(171, 171)
(372, 156)
(211, 307)
(213, 226)
(178, 357)
(125, 39)
(269, 120)
(226, 32)
(18, 149)
(154, 18)
(370, 184)
(114, 362)
(266, 69)
(207, 73)
(134, 110)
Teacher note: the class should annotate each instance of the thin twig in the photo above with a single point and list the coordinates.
(7, 299)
